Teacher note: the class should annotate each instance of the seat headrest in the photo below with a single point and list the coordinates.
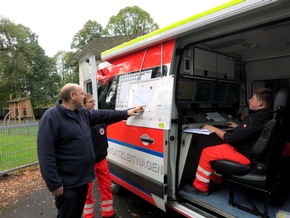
(282, 101)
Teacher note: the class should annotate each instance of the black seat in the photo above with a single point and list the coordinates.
(263, 174)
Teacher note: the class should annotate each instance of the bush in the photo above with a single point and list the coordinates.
(38, 112)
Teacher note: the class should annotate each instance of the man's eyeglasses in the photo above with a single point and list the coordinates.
(92, 101)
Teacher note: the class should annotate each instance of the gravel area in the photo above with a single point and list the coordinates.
(19, 184)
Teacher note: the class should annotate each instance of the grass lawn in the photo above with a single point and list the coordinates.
(17, 147)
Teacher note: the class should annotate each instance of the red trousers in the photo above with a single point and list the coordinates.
(286, 152)
(104, 184)
(204, 172)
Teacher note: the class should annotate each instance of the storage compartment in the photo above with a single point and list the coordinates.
(211, 64)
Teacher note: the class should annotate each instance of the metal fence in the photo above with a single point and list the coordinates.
(17, 146)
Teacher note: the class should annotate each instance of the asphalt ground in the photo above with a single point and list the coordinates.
(126, 204)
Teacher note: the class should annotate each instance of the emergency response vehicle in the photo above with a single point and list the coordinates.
(201, 70)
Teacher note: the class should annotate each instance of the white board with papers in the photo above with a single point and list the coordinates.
(157, 96)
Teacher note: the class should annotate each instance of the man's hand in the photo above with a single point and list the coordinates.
(232, 124)
(210, 128)
(136, 110)
(58, 192)
(220, 133)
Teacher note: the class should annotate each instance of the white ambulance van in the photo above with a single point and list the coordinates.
(201, 70)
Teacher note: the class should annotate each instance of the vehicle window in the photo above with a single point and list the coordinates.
(274, 84)
(156, 71)
(107, 94)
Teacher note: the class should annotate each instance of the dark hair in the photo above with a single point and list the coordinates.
(266, 95)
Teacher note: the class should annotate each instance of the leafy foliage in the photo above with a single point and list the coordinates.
(24, 67)
(67, 67)
(129, 21)
(91, 30)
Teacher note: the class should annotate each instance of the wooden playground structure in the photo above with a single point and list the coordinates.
(20, 109)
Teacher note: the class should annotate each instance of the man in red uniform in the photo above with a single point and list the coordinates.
(99, 137)
(238, 143)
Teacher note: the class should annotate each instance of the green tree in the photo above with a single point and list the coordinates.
(129, 20)
(24, 67)
(81, 39)
(67, 67)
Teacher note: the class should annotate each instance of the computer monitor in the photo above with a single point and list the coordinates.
(233, 93)
(203, 91)
(185, 90)
(219, 93)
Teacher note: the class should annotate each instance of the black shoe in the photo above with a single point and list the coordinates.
(191, 189)
(113, 216)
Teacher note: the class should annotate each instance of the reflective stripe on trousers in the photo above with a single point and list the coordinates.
(89, 205)
(107, 206)
(89, 211)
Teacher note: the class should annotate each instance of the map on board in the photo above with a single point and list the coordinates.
(124, 86)
(156, 95)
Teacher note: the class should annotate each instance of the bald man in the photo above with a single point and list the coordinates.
(65, 149)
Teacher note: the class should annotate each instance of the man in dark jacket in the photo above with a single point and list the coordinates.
(65, 149)
(238, 144)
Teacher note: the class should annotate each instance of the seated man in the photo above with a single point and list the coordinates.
(238, 143)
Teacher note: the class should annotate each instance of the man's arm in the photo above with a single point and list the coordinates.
(220, 133)
(112, 116)
(46, 153)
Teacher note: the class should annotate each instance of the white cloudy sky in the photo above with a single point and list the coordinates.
(56, 21)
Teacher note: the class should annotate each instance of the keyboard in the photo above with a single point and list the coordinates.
(221, 126)
(224, 127)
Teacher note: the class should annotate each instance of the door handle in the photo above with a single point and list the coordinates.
(145, 138)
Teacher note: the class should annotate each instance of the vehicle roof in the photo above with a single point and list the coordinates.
(163, 34)
(231, 16)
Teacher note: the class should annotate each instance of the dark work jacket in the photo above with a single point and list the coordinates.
(247, 133)
(64, 144)
(100, 141)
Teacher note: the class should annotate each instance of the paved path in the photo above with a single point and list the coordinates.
(41, 204)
